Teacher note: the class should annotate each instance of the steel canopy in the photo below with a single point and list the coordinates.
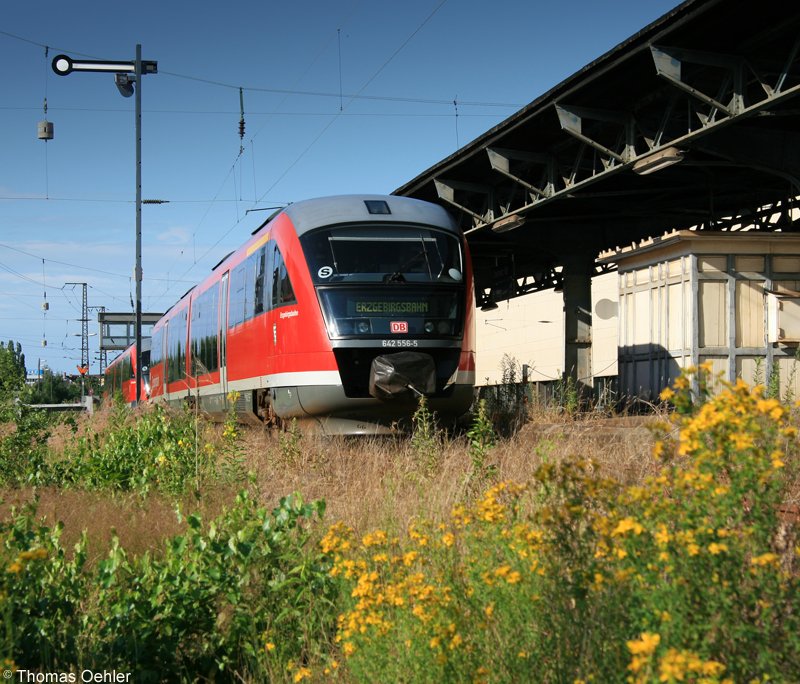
(692, 123)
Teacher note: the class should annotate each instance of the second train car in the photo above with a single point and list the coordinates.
(341, 310)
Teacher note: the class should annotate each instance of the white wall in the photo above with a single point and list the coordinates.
(530, 330)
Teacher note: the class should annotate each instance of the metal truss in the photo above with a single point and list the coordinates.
(699, 93)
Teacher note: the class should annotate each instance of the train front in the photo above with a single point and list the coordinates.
(395, 291)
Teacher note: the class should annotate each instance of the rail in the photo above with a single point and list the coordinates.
(86, 404)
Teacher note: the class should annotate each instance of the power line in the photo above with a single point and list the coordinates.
(308, 93)
(64, 263)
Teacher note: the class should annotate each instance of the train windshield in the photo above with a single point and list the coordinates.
(388, 254)
(414, 275)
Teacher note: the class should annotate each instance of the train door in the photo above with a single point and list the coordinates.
(223, 334)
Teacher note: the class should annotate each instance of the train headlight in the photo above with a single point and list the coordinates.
(429, 327)
(444, 328)
(362, 327)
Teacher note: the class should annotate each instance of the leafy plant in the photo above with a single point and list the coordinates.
(290, 442)
(23, 452)
(426, 438)
(41, 590)
(246, 594)
(570, 577)
(481, 438)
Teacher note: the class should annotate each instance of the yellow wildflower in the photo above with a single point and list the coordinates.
(301, 674)
(645, 645)
(513, 577)
(627, 525)
(764, 559)
(376, 538)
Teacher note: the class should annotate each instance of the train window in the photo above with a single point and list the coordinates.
(249, 286)
(383, 253)
(176, 345)
(204, 340)
(261, 272)
(282, 291)
(155, 353)
(236, 310)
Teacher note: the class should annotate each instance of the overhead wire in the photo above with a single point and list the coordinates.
(64, 263)
(350, 97)
(303, 93)
(313, 61)
(322, 132)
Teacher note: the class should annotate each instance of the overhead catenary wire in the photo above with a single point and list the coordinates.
(64, 263)
(305, 93)
(291, 92)
(324, 130)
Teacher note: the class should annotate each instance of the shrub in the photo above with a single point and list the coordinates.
(40, 593)
(573, 578)
(244, 596)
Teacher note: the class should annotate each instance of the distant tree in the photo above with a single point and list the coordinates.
(54, 388)
(12, 369)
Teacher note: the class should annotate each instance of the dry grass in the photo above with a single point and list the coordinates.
(366, 483)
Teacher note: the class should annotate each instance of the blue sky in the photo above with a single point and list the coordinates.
(340, 96)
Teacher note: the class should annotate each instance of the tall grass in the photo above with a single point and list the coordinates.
(689, 575)
(573, 551)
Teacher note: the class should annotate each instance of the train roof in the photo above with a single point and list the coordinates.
(307, 215)
(327, 211)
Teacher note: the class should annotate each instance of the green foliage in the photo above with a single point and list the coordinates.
(426, 438)
(53, 388)
(566, 395)
(508, 402)
(151, 449)
(12, 369)
(290, 442)
(245, 595)
(481, 438)
(23, 451)
(691, 576)
(41, 589)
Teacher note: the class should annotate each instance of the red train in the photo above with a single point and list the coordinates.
(120, 374)
(343, 310)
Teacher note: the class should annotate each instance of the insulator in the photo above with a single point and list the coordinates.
(45, 130)
(45, 306)
(241, 128)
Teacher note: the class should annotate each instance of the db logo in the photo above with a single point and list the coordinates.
(398, 326)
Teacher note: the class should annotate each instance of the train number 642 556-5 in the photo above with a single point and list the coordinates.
(400, 343)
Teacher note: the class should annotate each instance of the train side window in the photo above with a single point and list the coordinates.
(282, 291)
(236, 312)
(261, 272)
(249, 286)
(177, 347)
(155, 353)
(204, 341)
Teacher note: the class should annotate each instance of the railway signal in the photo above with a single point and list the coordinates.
(127, 74)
